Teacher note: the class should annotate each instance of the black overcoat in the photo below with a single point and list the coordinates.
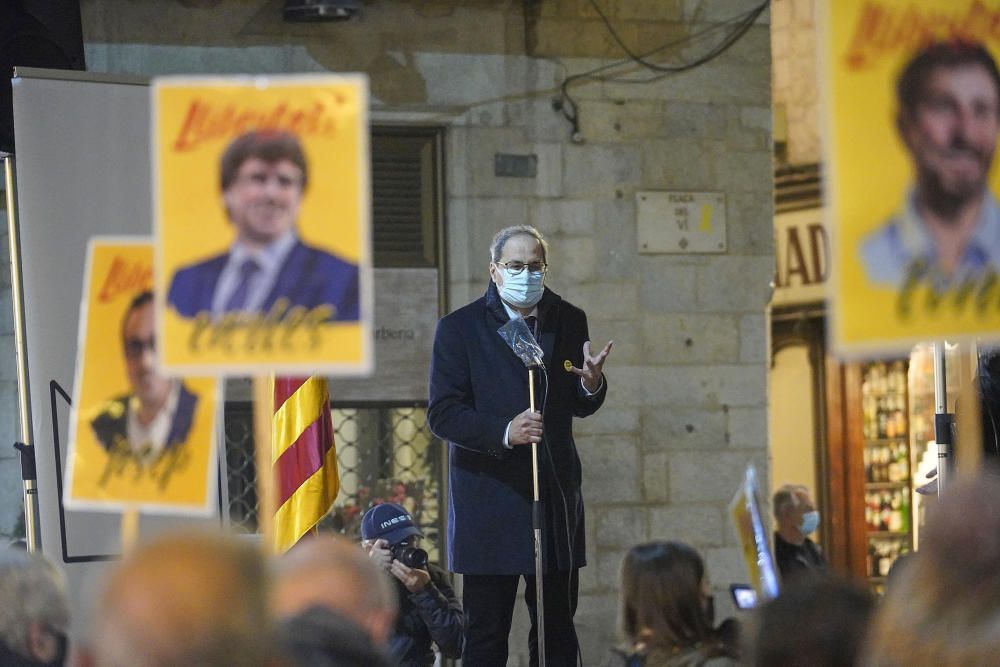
(477, 386)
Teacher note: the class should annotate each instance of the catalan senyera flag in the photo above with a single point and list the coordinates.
(304, 453)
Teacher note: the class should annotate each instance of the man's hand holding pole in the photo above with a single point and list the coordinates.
(525, 428)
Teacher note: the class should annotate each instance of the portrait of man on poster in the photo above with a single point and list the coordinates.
(946, 233)
(156, 415)
(263, 178)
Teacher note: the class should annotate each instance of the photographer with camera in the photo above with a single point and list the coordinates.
(429, 611)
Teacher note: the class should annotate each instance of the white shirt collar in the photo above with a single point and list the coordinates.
(917, 241)
(148, 442)
(513, 314)
(270, 258)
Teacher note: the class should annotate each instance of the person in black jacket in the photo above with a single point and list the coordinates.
(429, 611)
(797, 518)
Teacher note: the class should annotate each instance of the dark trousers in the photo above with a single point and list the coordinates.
(489, 609)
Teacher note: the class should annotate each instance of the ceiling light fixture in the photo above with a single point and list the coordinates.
(320, 10)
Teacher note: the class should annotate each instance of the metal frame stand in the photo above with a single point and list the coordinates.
(27, 451)
(29, 478)
(942, 418)
(536, 524)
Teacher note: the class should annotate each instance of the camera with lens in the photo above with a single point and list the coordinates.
(410, 556)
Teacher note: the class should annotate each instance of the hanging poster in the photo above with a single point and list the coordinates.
(138, 437)
(911, 101)
(261, 200)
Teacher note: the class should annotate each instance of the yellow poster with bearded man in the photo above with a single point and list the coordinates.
(138, 437)
(261, 202)
(911, 105)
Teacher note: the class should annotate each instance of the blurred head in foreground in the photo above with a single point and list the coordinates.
(185, 599)
(817, 621)
(333, 573)
(34, 616)
(944, 608)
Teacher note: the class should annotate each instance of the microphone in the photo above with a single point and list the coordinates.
(516, 334)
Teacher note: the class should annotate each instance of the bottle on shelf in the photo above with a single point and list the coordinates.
(903, 461)
(895, 515)
(904, 508)
(898, 377)
(885, 511)
(872, 511)
(901, 424)
(892, 466)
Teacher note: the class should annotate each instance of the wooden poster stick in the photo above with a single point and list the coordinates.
(969, 443)
(130, 528)
(263, 409)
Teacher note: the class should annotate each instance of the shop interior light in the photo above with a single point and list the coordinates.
(320, 10)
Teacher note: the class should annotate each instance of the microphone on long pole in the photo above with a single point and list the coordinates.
(520, 339)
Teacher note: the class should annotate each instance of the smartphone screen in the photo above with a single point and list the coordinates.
(744, 596)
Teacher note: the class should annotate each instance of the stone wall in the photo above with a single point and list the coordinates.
(686, 409)
(793, 42)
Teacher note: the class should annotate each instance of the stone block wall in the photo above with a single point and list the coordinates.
(686, 411)
(793, 41)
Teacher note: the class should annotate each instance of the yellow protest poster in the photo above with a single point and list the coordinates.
(138, 438)
(911, 96)
(262, 224)
(750, 528)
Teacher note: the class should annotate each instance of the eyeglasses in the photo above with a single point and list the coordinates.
(261, 179)
(515, 268)
(135, 347)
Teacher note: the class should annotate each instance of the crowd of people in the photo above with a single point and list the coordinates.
(209, 599)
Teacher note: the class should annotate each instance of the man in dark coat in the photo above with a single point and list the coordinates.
(479, 403)
(268, 267)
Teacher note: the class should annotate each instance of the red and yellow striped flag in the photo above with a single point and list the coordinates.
(304, 453)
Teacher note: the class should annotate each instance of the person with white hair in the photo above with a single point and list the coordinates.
(34, 616)
(797, 518)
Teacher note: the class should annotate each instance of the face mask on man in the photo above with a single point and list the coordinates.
(810, 522)
(522, 290)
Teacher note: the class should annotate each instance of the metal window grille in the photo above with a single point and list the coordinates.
(406, 195)
(385, 452)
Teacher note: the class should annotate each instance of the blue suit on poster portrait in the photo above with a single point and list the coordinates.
(309, 277)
